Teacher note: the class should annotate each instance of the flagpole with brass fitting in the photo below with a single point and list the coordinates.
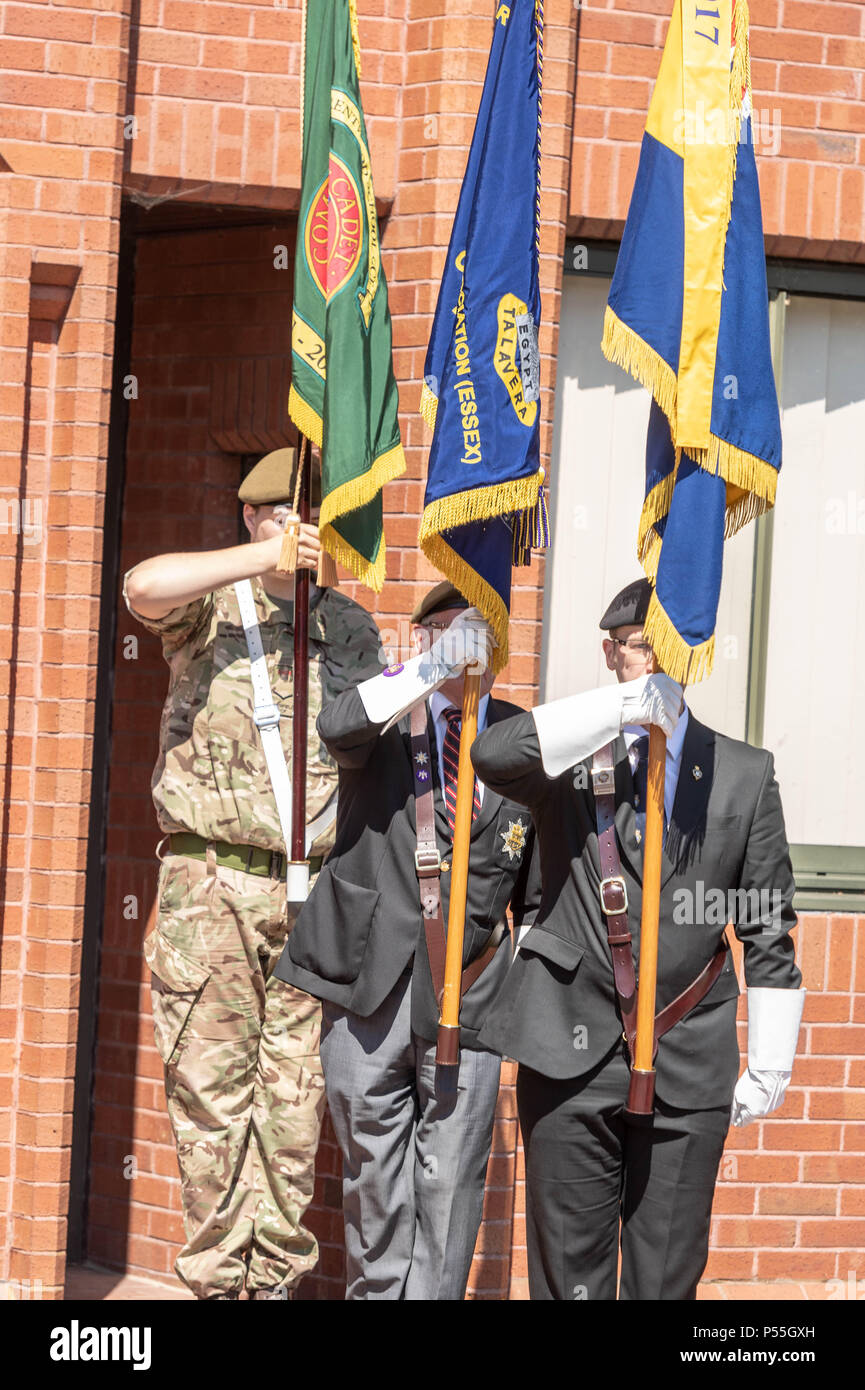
(641, 1092)
(448, 1039)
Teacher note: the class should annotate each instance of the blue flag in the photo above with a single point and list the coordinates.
(484, 503)
(688, 317)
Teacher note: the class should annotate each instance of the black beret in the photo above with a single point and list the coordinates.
(443, 596)
(629, 607)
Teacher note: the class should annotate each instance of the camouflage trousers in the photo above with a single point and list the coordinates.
(243, 1079)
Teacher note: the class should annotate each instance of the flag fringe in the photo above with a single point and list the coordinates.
(479, 504)
(428, 407)
(650, 556)
(751, 475)
(621, 345)
(655, 508)
(357, 492)
(301, 413)
(478, 592)
(369, 572)
(675, 657)
(355, 34)
(739, 469)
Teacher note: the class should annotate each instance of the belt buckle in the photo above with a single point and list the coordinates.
(604, 781)
(617, 883)
(427, 862)
(265, 716)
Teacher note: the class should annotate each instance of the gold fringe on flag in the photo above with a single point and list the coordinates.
(372, 574)
(300, 413)
(738, 468)
(357, 492)
(651, 556)
(676, 658)
(620, 344)
(655, 507)
(428, 407)
(480, 594)
(355, 34)
(480, 504)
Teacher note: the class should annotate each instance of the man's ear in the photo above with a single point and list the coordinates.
(610, 654)
(249, 517)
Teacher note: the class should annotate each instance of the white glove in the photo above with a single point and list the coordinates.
(572, 729)
(774, 1016)
(468, 641)
(652, 700)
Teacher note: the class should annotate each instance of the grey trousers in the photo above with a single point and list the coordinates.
(415, 1147)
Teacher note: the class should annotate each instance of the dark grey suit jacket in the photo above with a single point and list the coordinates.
(362, 925)
(726, 855)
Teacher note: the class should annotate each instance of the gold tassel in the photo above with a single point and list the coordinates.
(327, 577)
(288, 553)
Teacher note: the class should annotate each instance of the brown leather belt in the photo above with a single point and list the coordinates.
(614, 904)
(427, 862)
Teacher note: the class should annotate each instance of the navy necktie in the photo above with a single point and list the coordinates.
(641, 782)
(451, 761)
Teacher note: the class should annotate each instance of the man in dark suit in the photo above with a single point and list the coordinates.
(415, 1139)
(560, 1014)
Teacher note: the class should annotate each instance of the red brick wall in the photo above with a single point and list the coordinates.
(63, 89)
(791, 1200)
(807, 63)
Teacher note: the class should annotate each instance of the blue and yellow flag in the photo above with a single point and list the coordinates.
(484, 503)
(688, 317)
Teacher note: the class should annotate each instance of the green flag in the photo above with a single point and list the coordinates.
(343, 393)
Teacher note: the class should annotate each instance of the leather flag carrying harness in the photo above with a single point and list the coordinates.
(266, 717)
(614, 905)
(427, 861)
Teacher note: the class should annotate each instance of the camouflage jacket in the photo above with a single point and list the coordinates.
(211, 776)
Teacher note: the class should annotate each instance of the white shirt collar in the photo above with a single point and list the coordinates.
(438, 703)
(675, 744)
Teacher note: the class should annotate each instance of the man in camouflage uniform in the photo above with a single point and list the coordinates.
(242, 1075)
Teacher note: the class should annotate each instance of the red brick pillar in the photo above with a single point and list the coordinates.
(64, 99)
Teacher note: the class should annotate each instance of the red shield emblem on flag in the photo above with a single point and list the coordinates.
(333, 234)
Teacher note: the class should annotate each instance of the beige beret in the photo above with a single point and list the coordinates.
(271, 480)
(444, 595)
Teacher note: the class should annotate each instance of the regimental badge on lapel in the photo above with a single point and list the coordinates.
(514, 839)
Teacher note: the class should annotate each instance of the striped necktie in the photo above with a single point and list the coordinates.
(451, 760)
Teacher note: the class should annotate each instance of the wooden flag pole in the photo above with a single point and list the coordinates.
(297, 879)
(641, 1093)
(300, 703)
(448, 1040)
